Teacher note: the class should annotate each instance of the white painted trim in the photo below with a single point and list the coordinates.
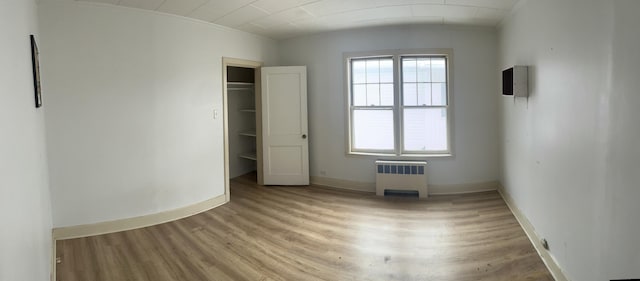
(397, 54)
(528, 228)
(85, 230)
(433, 189)
(256, 65)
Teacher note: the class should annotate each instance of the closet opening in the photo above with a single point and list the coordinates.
(243, 146)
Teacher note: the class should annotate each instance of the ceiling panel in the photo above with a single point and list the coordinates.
(496, 4)
(370, 14)
(443, 11)
(288, 18)
(274, 6)
(141, 4)
(328, 7)
(114, 2)
(294, 14)
(241, 16)
(382, 3)
(215, 9)
(180, 7)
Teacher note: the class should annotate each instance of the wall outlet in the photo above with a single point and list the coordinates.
(323, 172)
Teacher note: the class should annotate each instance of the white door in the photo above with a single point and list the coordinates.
(285, 144)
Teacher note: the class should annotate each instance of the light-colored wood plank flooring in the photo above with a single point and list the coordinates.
(314, 233)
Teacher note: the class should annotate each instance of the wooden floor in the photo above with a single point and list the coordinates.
(314, 233)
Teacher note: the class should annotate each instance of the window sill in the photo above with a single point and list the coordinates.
(398, 157)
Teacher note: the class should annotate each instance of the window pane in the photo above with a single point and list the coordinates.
(373, 71)
(386, 94)
(424, 70)
(425, 129)
(358, 71)
(359, 95)
(439, 93)
(424, 93)
(439, 72)
(386, 71)
(409, 94)
(409, 70)
(373, 129)
(373, 94)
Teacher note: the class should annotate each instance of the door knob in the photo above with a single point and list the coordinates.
(304, 136)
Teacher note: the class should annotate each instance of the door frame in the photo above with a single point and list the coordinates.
(227, 61)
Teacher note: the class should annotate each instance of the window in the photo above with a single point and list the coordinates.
(399, 104)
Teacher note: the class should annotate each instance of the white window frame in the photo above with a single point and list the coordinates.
(398, 152)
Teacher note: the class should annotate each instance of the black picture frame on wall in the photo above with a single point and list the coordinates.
(36, 71)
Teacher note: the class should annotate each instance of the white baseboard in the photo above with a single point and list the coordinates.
(433, 189)
(85, 230)
(528, 228)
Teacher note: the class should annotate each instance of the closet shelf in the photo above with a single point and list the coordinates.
(249, 155)
(239, 86)
(248, 133)
(248, 110)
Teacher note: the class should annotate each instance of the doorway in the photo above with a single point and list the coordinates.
(242, 119)
(265, 123)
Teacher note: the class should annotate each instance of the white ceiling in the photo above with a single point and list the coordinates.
(288, 18)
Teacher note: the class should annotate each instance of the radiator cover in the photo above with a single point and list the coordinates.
(401, 175)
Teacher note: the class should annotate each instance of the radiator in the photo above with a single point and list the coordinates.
(401, 175)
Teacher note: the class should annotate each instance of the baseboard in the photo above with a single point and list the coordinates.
(85, 230)
(528, 228)
(433, 189)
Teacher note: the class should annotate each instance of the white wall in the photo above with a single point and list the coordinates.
(474, 96)
(621, 250)
(130, 100)
(25, 211)
(569, 151)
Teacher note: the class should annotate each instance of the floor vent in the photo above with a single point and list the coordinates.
(401, 193)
